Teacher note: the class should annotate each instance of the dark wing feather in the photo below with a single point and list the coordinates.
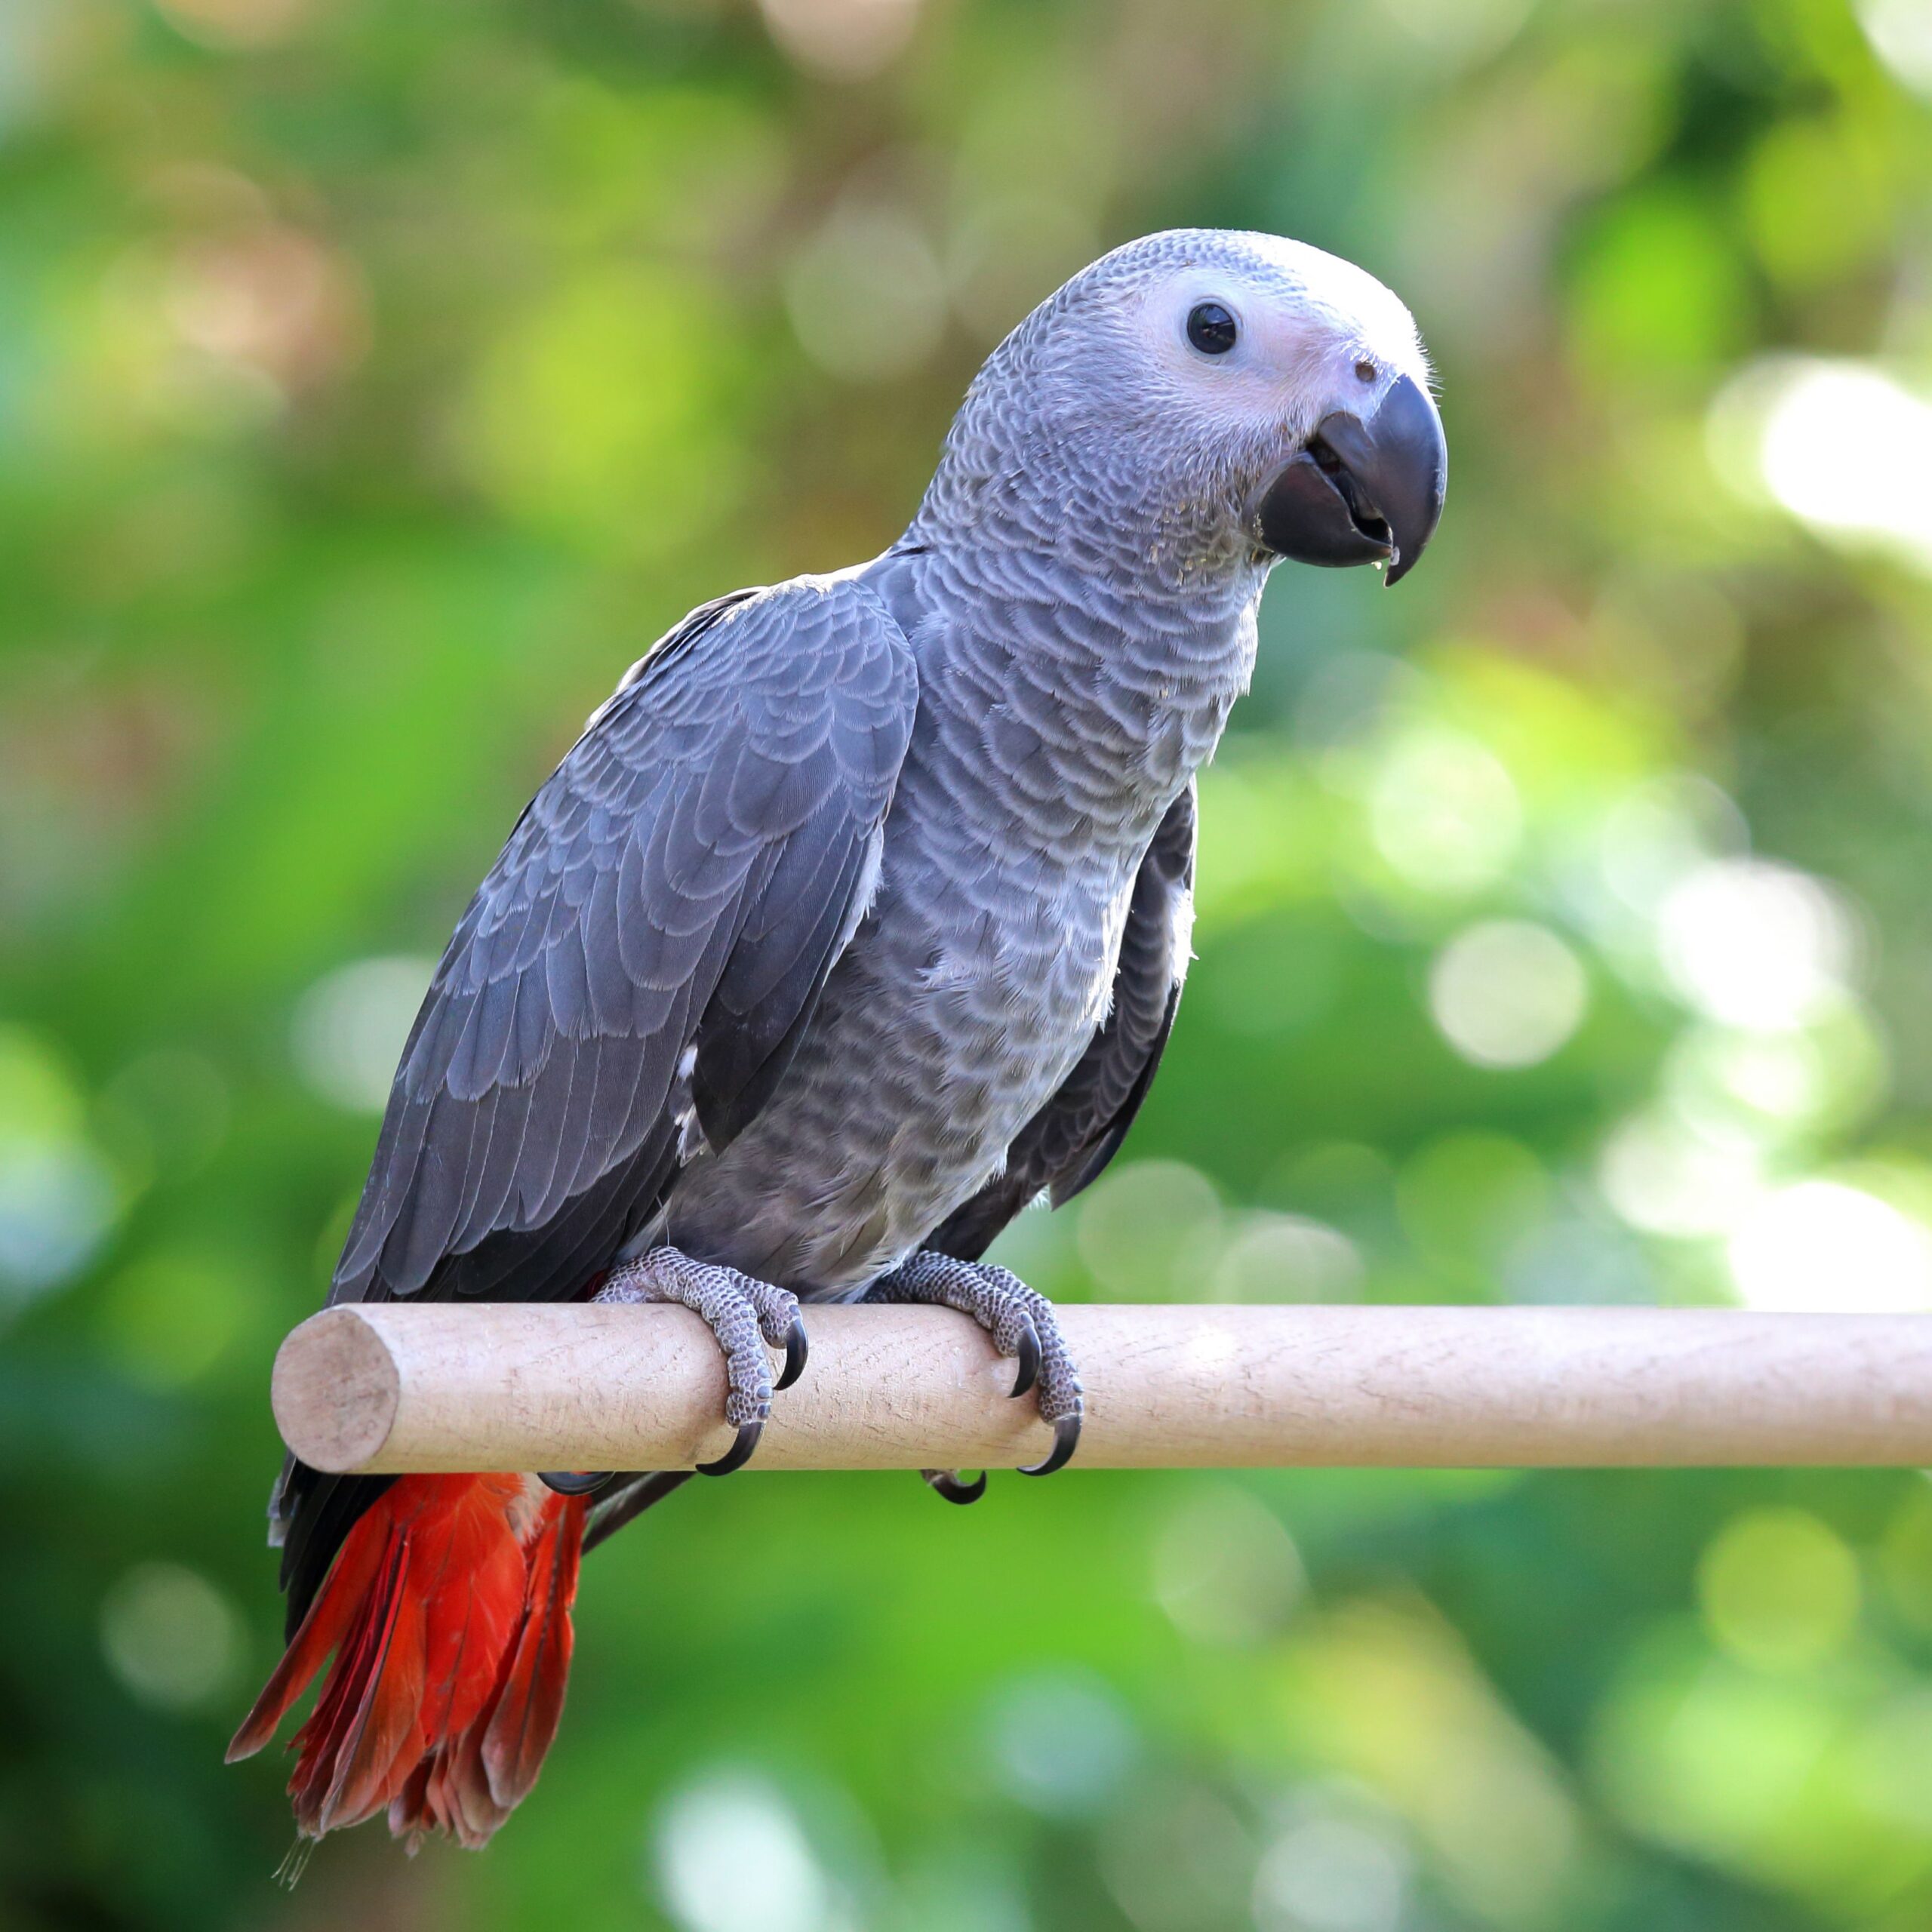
(1066, 1144)
(685, 880)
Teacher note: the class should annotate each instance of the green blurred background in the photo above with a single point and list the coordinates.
(376, 381)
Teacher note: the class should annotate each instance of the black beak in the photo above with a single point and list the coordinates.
(1361, 493)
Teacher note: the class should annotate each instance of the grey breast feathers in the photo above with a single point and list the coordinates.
(1065, 1146)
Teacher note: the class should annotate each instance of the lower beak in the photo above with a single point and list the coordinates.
(1360, 492)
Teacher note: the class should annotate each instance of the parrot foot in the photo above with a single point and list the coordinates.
(1022, 1325)
(745, 1315)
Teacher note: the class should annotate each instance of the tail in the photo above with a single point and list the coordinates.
(448, 1611)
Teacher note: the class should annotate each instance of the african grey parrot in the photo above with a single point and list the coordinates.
(856, 919)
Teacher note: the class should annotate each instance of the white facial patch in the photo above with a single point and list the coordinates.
(1315, 334)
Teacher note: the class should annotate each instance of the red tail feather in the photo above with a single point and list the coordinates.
(448, 1612)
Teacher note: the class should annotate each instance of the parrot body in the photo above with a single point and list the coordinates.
(856, 918)
(988, 958)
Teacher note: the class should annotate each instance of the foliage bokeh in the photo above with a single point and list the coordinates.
(376, 382)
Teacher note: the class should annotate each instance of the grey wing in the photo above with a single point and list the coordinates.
(1065, 1144)
(676, 893)
(647, 949)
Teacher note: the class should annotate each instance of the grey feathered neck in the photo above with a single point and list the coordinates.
(1078, 562)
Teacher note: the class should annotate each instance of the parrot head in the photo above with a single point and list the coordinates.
(1257, 398)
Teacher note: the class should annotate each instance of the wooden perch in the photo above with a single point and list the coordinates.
(392, 1388)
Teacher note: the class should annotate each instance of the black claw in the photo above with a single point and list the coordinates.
(946, 1483)
(1066, 1439)
(739, 1453)
(797, 1348)
(1030, 1360)
(629, 1500)
(576, 1482)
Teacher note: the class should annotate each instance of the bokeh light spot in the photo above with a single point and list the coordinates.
(168, 1319)
(271, 300)
(351, 1025)
(1444, 812)
(58, 1197)
(1717, 1758)
(865, 295)
(1225, 1570)
(1332, 1873)
(1176, 1857)
(56, 1205)
(171, 1636)
(170, 1107)
(841, 40)
(1062, 1743)
(1507, 993)
(1900, 31)
(732, 1855)
(1819, 1244)
(1842, 446)
(1659, 833)
(1755, 944)
(1660, 1176)
(1288, 1257)
(1151, 1232)
(604, 412)
(1778, 1589)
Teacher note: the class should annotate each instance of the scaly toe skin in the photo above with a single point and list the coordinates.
(777, 1310)
(1022, 1325)
(746, 1315)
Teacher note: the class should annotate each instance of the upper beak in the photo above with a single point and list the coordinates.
(1360, 492)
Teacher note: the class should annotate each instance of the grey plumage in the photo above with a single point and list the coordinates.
(1067, 1144)
(858, 915)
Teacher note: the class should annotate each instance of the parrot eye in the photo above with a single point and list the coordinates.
(1211, 328)
(1365, 371)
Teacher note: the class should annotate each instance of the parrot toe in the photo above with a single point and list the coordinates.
(746, 1315)
(1022, 1324)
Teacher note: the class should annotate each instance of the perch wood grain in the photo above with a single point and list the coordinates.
(389, 1388)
